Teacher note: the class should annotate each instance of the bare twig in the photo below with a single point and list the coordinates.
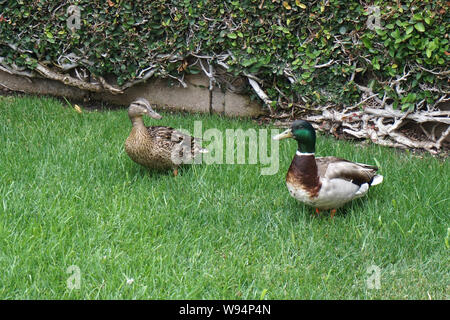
(261, 93)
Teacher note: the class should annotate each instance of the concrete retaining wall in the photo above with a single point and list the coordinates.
(164, 94)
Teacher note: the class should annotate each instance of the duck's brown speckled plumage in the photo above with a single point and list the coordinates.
(160, 147)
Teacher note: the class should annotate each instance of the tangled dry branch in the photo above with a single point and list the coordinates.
(371, 118)
(382, 124)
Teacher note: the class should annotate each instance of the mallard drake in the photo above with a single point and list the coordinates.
(158, 147)
(324, 182)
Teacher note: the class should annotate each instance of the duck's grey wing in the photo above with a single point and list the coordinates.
(337, 168)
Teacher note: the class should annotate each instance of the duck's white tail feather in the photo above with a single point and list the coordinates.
(377, 180)
(362, 190)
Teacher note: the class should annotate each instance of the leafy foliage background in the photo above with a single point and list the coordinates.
(305, 52)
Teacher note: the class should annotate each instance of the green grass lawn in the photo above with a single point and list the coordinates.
(69, 195)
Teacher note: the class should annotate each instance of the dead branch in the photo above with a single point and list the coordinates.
(261, 94)
(68, 80)
(382, 126)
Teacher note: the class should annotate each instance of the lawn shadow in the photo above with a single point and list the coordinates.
(138, 170)
(357, 205)
(143, 172)
(300, 209)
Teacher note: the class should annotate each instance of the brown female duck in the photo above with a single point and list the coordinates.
(158, 147)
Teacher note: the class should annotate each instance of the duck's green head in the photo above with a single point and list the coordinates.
(303, 132)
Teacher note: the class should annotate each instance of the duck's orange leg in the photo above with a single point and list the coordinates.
(333, 211)
(175, 172)
(317, 211)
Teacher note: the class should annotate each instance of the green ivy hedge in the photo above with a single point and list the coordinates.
(303, 51)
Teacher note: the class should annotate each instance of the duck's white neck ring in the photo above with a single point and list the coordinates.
(304, 153)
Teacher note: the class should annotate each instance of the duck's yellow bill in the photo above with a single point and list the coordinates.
(283, 135)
